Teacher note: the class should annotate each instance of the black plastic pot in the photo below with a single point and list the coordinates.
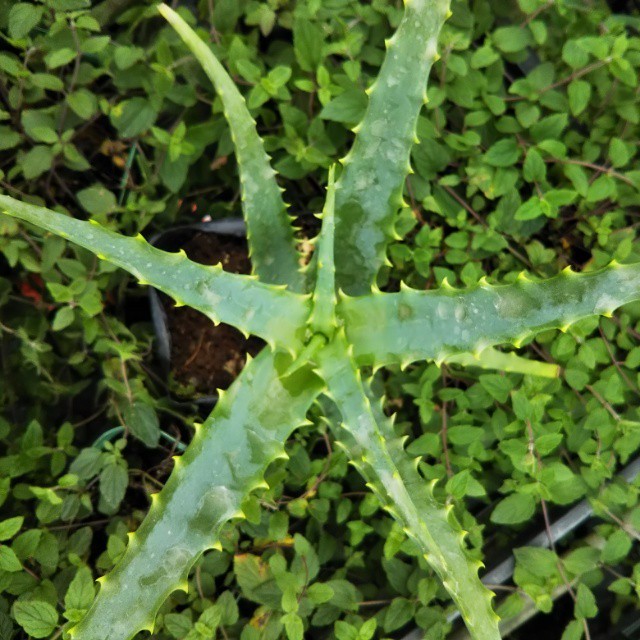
(172, 240)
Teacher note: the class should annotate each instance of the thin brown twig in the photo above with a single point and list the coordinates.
(193, 356)
(566, 80)
(614, 414)
(533, 15)
(76, 525)
(615, 362)
(596, 167)
(199, 582)
(443, 431)
(547, 526)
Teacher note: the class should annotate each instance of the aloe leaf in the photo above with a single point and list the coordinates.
(491, 358)
(225, 462)
(416, 325)
(371, 184)
(268, 311)
(323, 316)
(269, 230)
(391, 474)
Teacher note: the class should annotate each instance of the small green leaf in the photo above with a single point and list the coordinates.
(348, 107)
(546, 443)
(59, 57)
(601, 188)
(8, 560)
(38, 619)
(617, 547)
(367, 629)
(87, 464)
(9, 528)
(23, 17)
(581, 560)
(126, 57)
(574, 55)
(211, 618)
(36, 161)
(63, 318)
(573, 631)
(8, 138)
(81, 591)
(550, 128)
(577, 378)
(578, 177)
(579, 92)
(585, 606)
(83, 103)
(142, 421)
(516, 508)
(177, 624)
(464, 434)
(618, 153)
(308, 40)
(113, 484)
(319, 593)
(289, 602)
(534, 168)
(133, 117)
(512, 39)
(400, 611)
(497, 385)
(484, 56)
(537, 561)
(529, 210)
(97, 200)
(293, 626)
(47, 81)
(345, 631)
(504, 153)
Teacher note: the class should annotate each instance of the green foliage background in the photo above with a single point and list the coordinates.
(528, 161)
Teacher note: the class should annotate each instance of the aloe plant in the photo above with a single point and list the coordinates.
(324, 326)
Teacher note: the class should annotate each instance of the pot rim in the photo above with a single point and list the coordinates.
(234, 227)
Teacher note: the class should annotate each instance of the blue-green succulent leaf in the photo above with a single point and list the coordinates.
(416, 325)
(273, 252)
(491, 358)
(372, 181)
(323, 316)
(270, 312)
(224, 463)
(391, 474)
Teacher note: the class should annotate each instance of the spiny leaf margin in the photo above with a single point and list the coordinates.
(274, 257)
(268, 311)
(380, 457)
(242, 435)
(370, 186)
(416, 325)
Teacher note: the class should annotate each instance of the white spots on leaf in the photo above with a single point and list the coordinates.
(606, 302)
(379, 128)
(431, 50)
(364, 181)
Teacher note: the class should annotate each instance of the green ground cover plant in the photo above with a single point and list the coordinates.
(529, 429)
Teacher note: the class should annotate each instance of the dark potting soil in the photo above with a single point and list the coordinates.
(206, 357)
